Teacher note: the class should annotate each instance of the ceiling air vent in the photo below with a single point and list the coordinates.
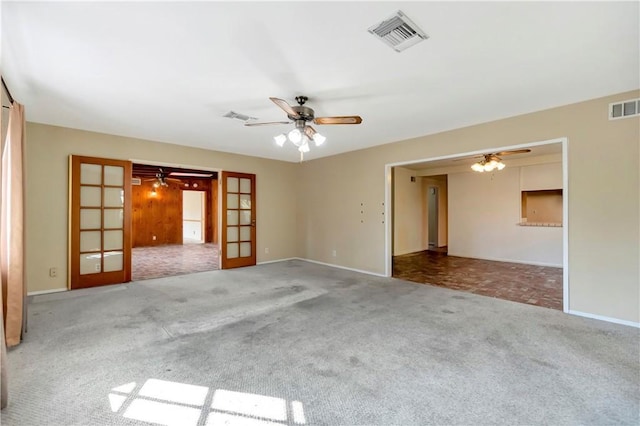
(238, 116)
(399, 32)
(624, 109)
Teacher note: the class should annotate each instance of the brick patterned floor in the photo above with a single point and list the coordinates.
(171, 260)
(534, 285)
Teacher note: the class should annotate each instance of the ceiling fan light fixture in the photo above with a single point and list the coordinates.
(295, 136)
(477, 167)
(280, 139)
(319, 139)
(490, 166)
(304, 147)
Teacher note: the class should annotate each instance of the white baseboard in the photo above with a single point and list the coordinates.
(607, 319)
(552, 265)
(341, 267)
(53, 290)
(277, 260)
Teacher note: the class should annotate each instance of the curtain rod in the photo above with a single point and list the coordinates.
(6, 89)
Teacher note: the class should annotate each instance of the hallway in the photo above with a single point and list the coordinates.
(530, 284)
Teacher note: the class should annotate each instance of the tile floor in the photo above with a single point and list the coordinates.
(534, 285)
(170, 260)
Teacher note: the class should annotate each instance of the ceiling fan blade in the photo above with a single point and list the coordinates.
(267, 123)
(515, 151)
(285, 107)
(309, 131)
(346, 119)
(467, 158)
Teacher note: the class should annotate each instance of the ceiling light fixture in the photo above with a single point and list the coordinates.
(160, 181)
(489, 163)
(301, 136)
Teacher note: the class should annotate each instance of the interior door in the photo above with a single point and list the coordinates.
(238, 246)
(100, 222)
(433, 216)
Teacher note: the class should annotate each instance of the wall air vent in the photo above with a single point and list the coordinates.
(624, 109)
(136, 181)
(238, 116)
(398, 31)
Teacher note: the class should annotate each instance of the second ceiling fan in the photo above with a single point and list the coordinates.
(301, 116)
(492, 161)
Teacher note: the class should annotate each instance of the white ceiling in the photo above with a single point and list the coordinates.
(168, 71)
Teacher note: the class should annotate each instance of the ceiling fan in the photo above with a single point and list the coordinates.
(301, 115)
(161, 179)
(492, 161)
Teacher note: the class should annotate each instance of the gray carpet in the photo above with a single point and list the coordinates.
(298, 343)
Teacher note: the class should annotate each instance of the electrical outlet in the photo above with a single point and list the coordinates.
(53, 272)
(153, 238)
(266, 250)
(335, 253)
(97, 267)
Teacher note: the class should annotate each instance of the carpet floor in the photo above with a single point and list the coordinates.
(295, 343)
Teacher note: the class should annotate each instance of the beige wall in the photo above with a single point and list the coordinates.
(603, 191)
(541, 176)
(484, 212)
(409, 214)
(48, 149)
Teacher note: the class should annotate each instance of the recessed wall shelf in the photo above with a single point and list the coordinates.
(542, 208)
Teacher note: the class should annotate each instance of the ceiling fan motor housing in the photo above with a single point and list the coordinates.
(304, 113)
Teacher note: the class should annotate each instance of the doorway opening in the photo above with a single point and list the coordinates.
(174, 221)
(454, 227)
(193, 217)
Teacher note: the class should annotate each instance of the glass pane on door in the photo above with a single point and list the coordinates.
(245, 186)
(90, 196)
(90, 263)
(90, 219)
(90, 241)
(113, 261)
(114, 175)
(90, 174)
(113, 218)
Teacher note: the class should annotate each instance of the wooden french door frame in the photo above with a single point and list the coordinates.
(104, 207)
(238, 214)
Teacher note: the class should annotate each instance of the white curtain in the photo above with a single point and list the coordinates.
(12, 228)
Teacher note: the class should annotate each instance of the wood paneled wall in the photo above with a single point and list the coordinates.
(160, 215)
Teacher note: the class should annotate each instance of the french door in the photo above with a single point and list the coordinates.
(238, 246)
(100, 222)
